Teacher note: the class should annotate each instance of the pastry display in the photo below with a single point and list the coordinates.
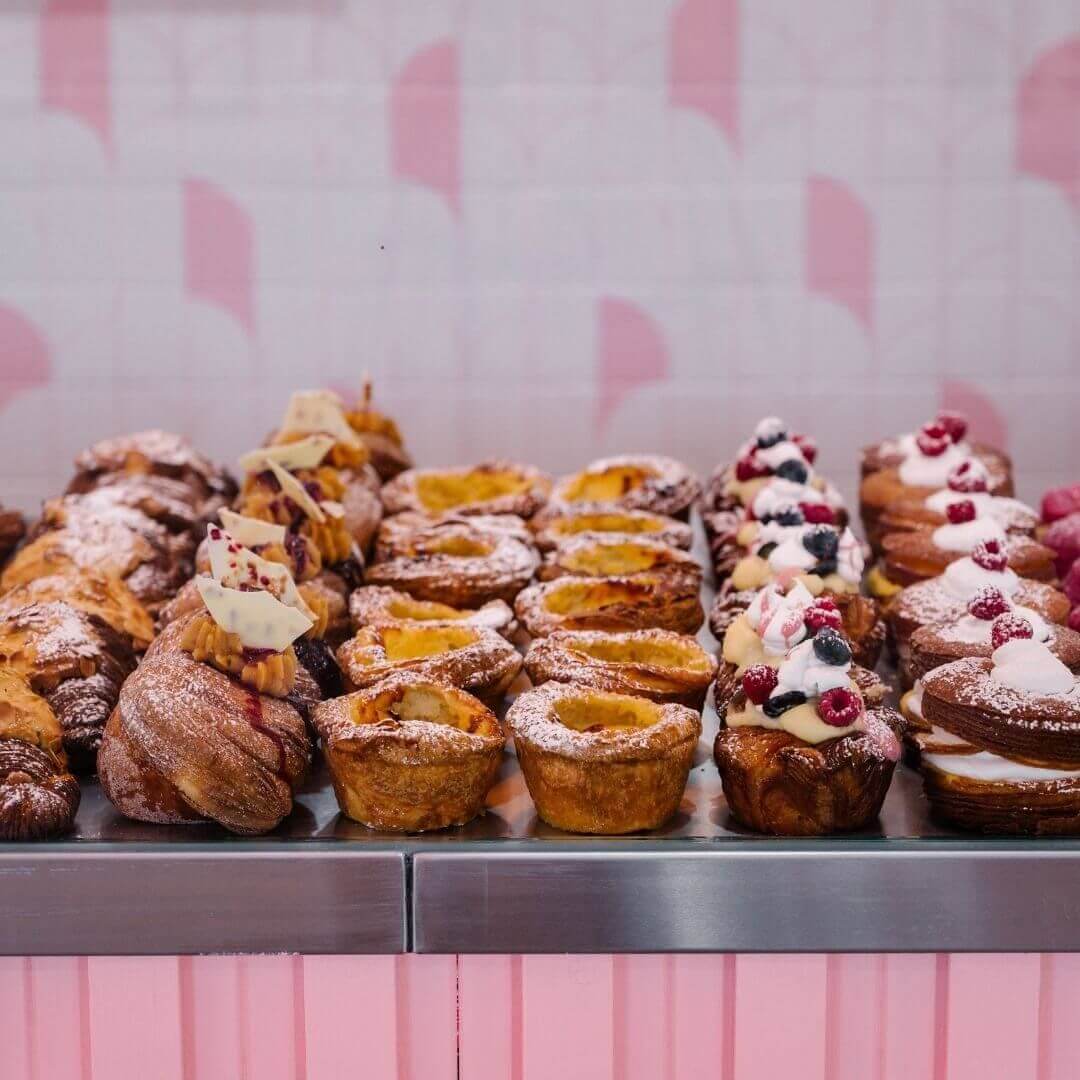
(556, 524)
(639, 602)
(656, 664)
(396, 534)
(471, 658)
(617, 556)
(1003, 751)
(410, 754)
(210, 728)
(381, 604)
(381, 436)
(799, 752)
(12, 530)
(597, 762)
(492, 487)
(455, 562)
(648, 482)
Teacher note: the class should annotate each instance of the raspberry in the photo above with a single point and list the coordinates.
(1008, 627)
(935, 430)
(965, 479)
(817, 514)
(758, 682)
(748, 468)
(1061, 502)
(1064, 537)
(960, 512)
(988, 603)
(1071, 584)
(954, 423)
(930, 444)
(839, 707)
(989, 555)
(826, 603)
(807, 446)
(817, 618)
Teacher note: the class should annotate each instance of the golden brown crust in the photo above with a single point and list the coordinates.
(382, 437)
(912, 515)
(38, 796)
(913, 556)
(458, 564)
(397, 535)
(410, 754)
(637, 603)
(187, 743)
(775, 783)
(602, 763)
(556, 524)
(381, 604)
(886, 455)
(650, 482)
(655, 664)
(12, 530)
(492, 487)
(934, 646)
(478, 661)
(617, 556)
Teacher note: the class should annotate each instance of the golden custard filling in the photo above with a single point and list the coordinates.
(607, 486)
(28, 717)
(607, 523)
(424, 611)
(742, 647)
(655, 653)
(441, 492)
(590, 713)
(415, 642)
(578, 597)
(754, 572)
(457, 546)
(604, 560)
(426, 704)
(263, 670)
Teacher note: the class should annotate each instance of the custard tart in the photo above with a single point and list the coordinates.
(457, 564)
(410, 754)
(656, 664)
(602, 763)
(397, 534)
(617, 556)
(469, 657)
(618, 603)
(554, 525)
(380, 604)
(649, 482)
(492, 487)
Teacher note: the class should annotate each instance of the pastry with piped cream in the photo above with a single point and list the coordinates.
(1002, 754)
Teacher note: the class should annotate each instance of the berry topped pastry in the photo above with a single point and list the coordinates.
(1003, 751)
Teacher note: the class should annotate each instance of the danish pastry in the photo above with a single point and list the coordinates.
(380, 604)
(492, 487)
(660, 485)
(556, 524)
(617, 556)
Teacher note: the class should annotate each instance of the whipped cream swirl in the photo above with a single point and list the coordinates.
(1028, 665)
(965, 577)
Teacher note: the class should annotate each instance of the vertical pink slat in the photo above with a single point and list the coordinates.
(567, 1017)
(854, 1001)
(134, 1011)
(489, 1017)
(15, 1012)
(56, 992)
(908, 1016)
(426, 1008)
(993, 1016)
(267, 1026)
(791, 987)
(349, 1005)
(210, 1009)
(703, 1007)
(1059, 1033)
(642, 1018)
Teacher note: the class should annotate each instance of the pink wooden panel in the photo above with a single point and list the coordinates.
(210, 1006)
(703, 1008)
(268, 997)
(426, 1004)
(567, 1017)
(1059, 1032)
(350, 1019)
(489, 1017)
(134, 1011)
(908, 1016)
(57, 985)
(854, 1001)
(16, 1014)
(642, 1017)
(993, 1019)
(780, 1017)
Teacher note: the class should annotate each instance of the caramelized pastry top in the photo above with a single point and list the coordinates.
(492, 487)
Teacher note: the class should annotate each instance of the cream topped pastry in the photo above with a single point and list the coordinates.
(821, 556)
(774, 623)
(773, 451)
(1028, 665)
(986, 566)
(947, 430)
(317, 412)
(969, 483)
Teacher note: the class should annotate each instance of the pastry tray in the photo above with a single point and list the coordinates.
(507, 883)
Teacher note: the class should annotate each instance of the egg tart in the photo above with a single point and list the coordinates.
(380, 604)
(12, 530)
(660, 485)
(469, 657)
(554, 525)
(458, 564)
(492, 487)
(397, 534)
(617, 556)
(618, 603)
(656, 664)
(603, 763)
(410, 754)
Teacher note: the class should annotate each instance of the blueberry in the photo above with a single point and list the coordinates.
(825, 567)
(822, 541)
(774, 706)
(774, 437)
(317, 657)
(790, 515)
(766, 550)
(794, 470)
(830, 647)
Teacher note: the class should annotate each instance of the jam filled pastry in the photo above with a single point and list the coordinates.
(659, 485)
(210, 728)
(455, 562)
(603, 763)
(1002, 754)
(410, 754)
(776, 621)
(554, 525)
(12, 530)
(825, 560)
(380, 604)
(617, 556)
(656, 664)
(492, 487)
(799, 752)
(945, 599)
(380, 435)
(38, 796)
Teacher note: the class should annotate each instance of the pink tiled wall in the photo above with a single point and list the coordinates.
(549, 229)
